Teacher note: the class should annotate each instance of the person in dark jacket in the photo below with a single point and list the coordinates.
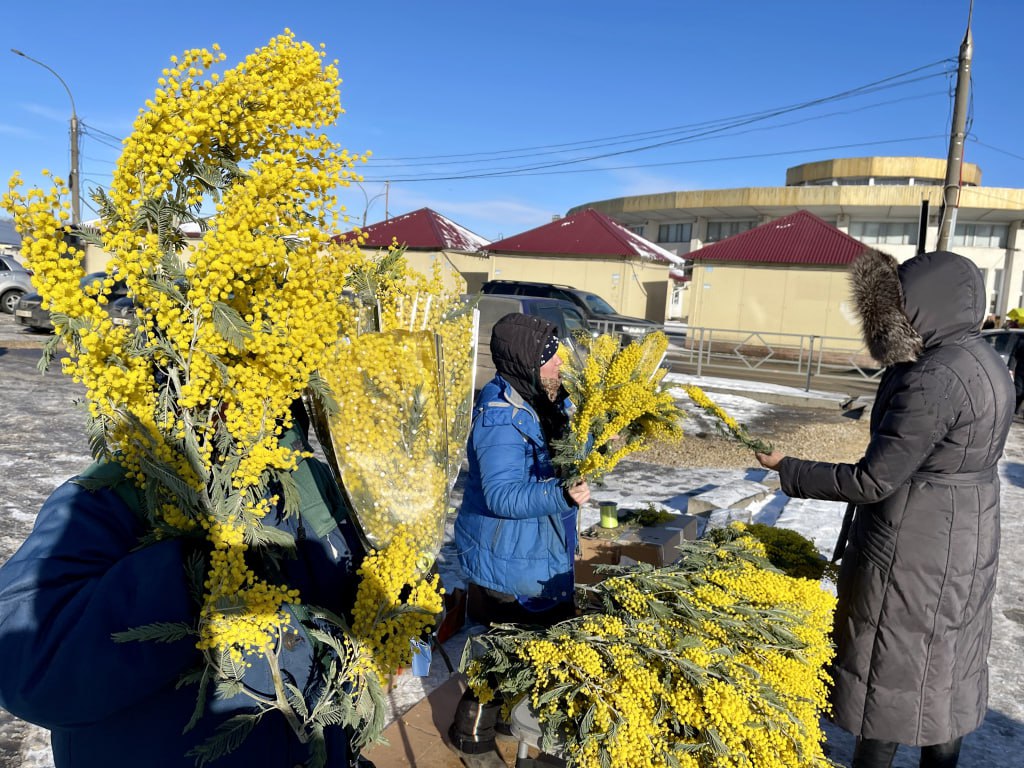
(1017, 366)
(81, 576)
(914, 618)
(516, 530)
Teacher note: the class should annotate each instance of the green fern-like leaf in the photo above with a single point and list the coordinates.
(50, 349)
(227, 738)
(265, 536)
(158, 632)
(320, 390)
(230, 325)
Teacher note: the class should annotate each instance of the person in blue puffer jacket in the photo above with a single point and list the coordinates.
(516, 530)
(82, 575)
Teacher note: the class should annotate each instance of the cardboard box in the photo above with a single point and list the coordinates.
(594, 551)
(654, 544)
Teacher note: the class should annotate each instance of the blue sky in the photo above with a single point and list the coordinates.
(525, 84)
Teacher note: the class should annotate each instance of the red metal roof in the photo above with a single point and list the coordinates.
(800, 238)
(423, 229)
(586, 233)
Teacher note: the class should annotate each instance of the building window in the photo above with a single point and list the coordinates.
(981, 235)
(719, 230)
(636, 229)
(885, 232)
(675, 233)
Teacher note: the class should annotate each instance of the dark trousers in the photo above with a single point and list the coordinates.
(872, 753)
(475, 725)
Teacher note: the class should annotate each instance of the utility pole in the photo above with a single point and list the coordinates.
(73, 177)
(955, 159)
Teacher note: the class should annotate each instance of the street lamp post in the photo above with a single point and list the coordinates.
(76, 211)
(368, 200)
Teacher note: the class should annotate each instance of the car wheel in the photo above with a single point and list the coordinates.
(9, 301)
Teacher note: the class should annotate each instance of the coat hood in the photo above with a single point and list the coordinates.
(931, 299)
(517, 341)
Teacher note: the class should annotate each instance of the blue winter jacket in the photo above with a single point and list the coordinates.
(81, 576)
(515, 531)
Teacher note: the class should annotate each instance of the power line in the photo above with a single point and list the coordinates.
(683, 162)
(997, 149)
(726, 132)
(723, 134)
(867, 88)
(93, 129)
(870, 87)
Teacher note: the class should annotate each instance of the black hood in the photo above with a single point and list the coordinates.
(517, 341)
(929, 300)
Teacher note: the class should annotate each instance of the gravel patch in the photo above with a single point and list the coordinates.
(809, 433)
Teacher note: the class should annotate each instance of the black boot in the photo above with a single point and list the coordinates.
(472, 734)
(941, 755)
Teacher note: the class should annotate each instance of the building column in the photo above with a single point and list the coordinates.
(698, 233)
(1013, 270)
(843, 223)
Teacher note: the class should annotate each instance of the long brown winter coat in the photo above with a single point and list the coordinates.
(914, 620)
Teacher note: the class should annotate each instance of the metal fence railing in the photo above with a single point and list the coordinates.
(806, 355)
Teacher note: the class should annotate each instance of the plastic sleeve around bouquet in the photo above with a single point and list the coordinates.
(389, 435)
(459, 335)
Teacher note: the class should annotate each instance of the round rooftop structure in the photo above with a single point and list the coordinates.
(877, 171)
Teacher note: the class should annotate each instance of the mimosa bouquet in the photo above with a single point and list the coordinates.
(397, 439)
(621, 405)
(716, 660)
(230, 331)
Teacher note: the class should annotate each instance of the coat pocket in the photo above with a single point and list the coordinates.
(878, 545)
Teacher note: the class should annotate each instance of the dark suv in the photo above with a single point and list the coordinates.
(600, 315)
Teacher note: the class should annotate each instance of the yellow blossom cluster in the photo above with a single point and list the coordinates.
(395, 602)
(621, 404)
(231, 330)
(732, 427)
(716, 661)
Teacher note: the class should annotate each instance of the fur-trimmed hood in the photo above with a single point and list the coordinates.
(929, 300)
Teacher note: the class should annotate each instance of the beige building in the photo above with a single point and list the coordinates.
(591, 252)
(876, 200)
(784, 279)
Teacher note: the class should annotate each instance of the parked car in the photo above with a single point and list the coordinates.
(1004, 341)
(600, 315)
(15, 281)
(568, 319)
(30, 313)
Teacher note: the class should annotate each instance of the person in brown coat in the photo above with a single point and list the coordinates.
(914, 619)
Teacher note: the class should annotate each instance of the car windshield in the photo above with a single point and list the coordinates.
(574, 322)
(598, 305)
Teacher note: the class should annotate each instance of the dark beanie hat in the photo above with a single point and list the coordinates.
(550, 348)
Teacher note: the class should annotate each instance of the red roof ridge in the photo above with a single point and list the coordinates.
(586, 232)
(799, 238)
(423, 228)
